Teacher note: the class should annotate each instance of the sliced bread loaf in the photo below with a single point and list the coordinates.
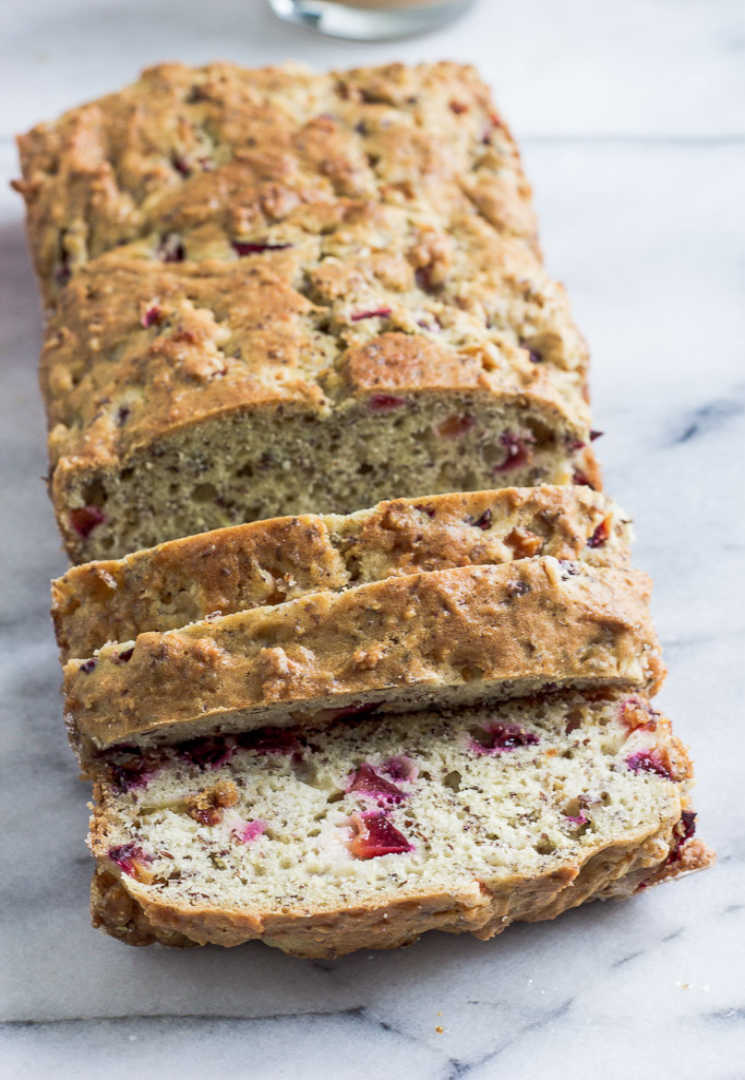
(268, 562)
(445, 637)
(369, 833)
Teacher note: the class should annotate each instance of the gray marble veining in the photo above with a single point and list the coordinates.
(632, 130)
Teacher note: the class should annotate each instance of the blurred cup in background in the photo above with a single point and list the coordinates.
(370, 20)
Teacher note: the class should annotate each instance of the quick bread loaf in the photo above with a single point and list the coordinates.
(368, 834)
(273, 292)
(274, 297)
(268, 562)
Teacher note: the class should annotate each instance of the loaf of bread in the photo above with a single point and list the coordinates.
(268, 562)
(271, 292)
(275, 292)
(441, 638)
(368, 834)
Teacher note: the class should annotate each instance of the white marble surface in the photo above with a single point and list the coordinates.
(631, 118)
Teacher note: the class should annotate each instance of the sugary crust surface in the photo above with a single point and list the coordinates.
(268, 562)
(461, 634)
(615, 873)
(233, 151)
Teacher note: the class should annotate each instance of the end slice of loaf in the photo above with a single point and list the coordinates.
(368, 834)
(269, 562)
(440, 638)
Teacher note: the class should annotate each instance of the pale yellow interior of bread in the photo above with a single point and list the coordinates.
(260, 464)
(471, 817)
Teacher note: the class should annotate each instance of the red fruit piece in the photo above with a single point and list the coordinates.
(400, 767)
(374, 835)
(85, 518)
(249, 831)
(130, 858)
(211, 752)
(152, 316)
(578, 477)
(601, 534)
(455, 426)
(242, 247)
(367, 782)
(171, 248)
(180, 164)
(423, 278)
(270, 740)
(385, 402)
(502, 737)
(131, 770)
(649, 761)
(483, 522)
(637, 713)
(375, 313)
(684, 830)
(518, 451)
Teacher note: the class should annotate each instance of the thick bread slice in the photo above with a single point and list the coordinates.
(445, 637)
(269, 562)
(367, 834)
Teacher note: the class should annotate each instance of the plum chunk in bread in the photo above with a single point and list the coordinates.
(373, 831)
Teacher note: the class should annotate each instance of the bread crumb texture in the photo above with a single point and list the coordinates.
(371, 832)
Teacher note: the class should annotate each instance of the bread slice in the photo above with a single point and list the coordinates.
(369, 833)
(445, 637)
(268, 562)
(277, 292)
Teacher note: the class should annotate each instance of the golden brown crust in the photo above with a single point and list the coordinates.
(222, 244)
(446, 635)
(261, 143)
(612, 872)
(265, 563)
